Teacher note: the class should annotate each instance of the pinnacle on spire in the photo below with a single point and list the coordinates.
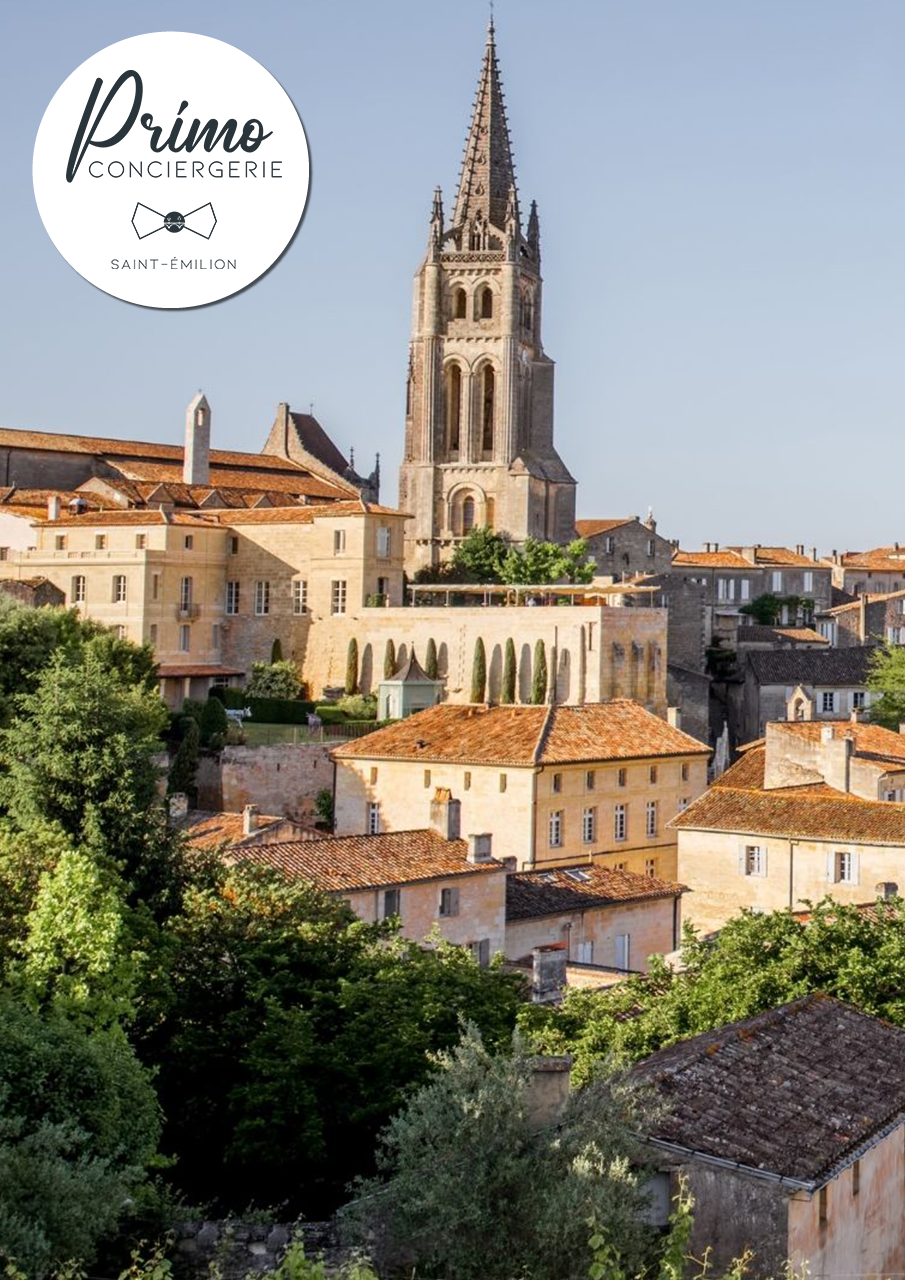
(533, 235)
(488, 174)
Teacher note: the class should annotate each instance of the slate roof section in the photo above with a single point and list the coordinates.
(526, 736)
(813, 666)
(530, 894)
(344, 863)
(315, 440)
(795, 1092)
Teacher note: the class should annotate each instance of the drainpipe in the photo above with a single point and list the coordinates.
(792, 844)
(532, 852)
(675, 922)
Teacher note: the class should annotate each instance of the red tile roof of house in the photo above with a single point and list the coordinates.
(880, 559)
(588, 528)
(115, 517)
(208, 830)
(780, 557)
(871, 741)
(303, 515)
(526, 736)
(343, 863)
(725, 559)
(794, 1092)
(580, 888)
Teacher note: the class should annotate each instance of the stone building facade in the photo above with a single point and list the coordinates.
(479, 401)
(871, 619)
(626, 548)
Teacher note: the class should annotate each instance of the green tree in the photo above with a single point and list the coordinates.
(389, 660)
(274, 680)
(507, 688)
(886, 680)
(324, 808)
(539, 678)
(479, 556)
(541, 563)
(213, 723)
(765, 610)
(462, 1164)
(430, 659)
(184, 769)
(478, 672)
(575, 563)
(78, 1128)
(351, 685)
(276, 651)
(289, 1031)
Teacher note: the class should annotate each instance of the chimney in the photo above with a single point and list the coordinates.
(902, 728)
(750, 554)
(799, 548)
(177, 808)
(814, 554)
(837, 762)
(548, 971)
(547, 1091)
(480, 848)
(674, 717)
(53, 507)
(283, 426)
(446, 815)
(858, 716)
(827, 733)
(196, 467)
(250, 819)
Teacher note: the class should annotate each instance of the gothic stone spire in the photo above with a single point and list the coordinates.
(488, 174)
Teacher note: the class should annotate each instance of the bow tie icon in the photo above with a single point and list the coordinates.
(200, 222)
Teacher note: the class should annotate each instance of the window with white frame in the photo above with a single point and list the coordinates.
(589, 826)
(725, 588)
(185, 594)
(373, 824)
(299, 595)
(338, 596)
(262, 597)
(119, 588)
(232, 598)
(844, 867)
(859, 699)
(449, 902)
(808, 580)
(185, 639)
(650, 815)
(78, 589)
(828, 701)
(752, 860)
(651, 546)
(339, 541)
(609, 545)
(383, 542)
(684, 803)
(776, 580)
(555, 828)
(620, 821)
(745, 589)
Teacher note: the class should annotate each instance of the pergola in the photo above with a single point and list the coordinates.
(505, 594)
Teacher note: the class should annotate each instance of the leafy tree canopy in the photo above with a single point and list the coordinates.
(274, 680)
(484, 556)
(887, 679)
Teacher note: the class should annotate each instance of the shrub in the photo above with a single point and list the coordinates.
(213, 723)
(185, 763)
(323, 805)
(274, 680)
(278, 710)
(376, 601)
(358, 707)
(352, 667)
(330, 713)
(478, 672)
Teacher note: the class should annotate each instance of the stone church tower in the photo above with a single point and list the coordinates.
(479, 402)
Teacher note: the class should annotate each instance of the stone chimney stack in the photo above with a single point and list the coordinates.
(250, 819)
(548, 1091)
(446, 814)
(196, 467)
(674, 717)
(53, 507)
(837, 762)
(480, 848)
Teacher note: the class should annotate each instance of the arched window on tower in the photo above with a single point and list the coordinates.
(484, 304)
(453, 407)
(487, 409)
(467, 515)
(459, 304)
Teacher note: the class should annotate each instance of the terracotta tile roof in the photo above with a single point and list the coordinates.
(302, 515)
(526, 736)
(171, 670)
(579, 888)
(754, 633)
(747, 772)
(588, 528)
(871, 741)
(342, 863)
(777, 557)
(805, 635)
(882, 559)
(207, 830)
(259, 480)
(794, 1092)
(872, 597)
(725, 559)
(38, 498)
(815, 812)
(149, 516)
(812, 666)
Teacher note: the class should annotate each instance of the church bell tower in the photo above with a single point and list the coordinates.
(479, 400)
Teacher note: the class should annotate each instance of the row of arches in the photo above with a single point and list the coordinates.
(481, 383)
(481, 307)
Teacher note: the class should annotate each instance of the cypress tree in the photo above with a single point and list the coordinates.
(185, 763)
(478, 672)
(430, 659)
(539, 682)
(389, 661)
(276, 651)
(352, 667)
(507, 689)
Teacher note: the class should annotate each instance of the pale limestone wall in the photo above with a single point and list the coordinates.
(404, 790)
(767, 702)
(651, 855)
(603, 652)
(16, 533)
(278, 779)
(648, 924)
(863, 1235)
(788, 753)
(482, 908)
(631, 550)
(708, 863)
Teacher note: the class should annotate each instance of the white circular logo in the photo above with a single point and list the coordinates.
(171, 170)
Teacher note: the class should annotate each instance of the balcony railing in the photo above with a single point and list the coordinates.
(187, 612)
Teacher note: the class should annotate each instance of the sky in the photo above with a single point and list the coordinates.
(722, 199)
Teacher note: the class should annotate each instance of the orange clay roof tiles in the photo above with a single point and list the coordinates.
(259, 480)
(871, 741)
(747, 772)
(710, 560)
(207, 830)
(780, 556)
(884, 559)
(525, 736)
(148, 516)
(579, 888)
(588, 528)
(343, 863)
(300, 515)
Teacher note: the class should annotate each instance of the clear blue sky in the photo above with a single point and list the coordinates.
(721, 186)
